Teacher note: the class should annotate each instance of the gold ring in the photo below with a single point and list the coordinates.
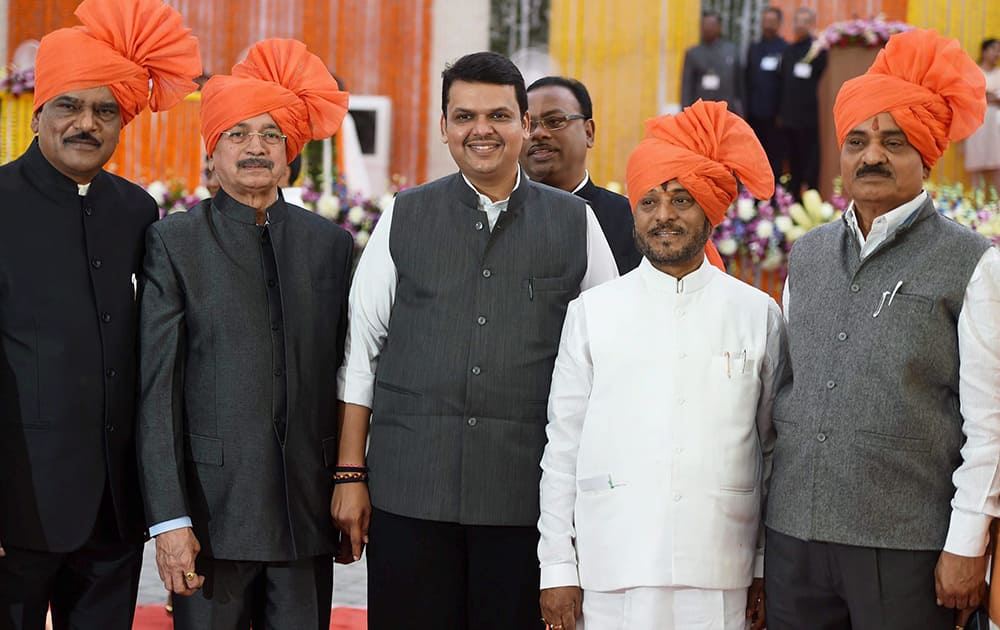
(190, 575)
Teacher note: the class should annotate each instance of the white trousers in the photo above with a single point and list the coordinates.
(665, 608)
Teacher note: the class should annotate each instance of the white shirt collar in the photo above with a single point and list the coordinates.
(884, 225)
(659, 281)
(487, 203)
(586, 178)
(81, 189)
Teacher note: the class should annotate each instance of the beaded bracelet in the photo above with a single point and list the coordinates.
(350, 477)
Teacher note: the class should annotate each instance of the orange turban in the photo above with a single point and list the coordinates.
(927, 83)
(702, 148)
(281, 78)
(125, 45)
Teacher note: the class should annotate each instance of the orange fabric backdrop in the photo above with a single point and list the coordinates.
(374, 47)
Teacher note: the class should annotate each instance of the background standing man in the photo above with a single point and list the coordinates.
(456, 312)
(661, 427)
(801, 69)
(243, 319)
(763, 85)
(71, 524)
(885, 469)
(556, 154)
(712, 68)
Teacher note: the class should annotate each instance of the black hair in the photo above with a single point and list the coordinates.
(294, 168)
(776, 11)
(578, 89)
(484, 67)
(989, 41)
(712, 14)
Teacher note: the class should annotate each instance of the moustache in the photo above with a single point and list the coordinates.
(668, 226)
(254, 162)
(540, 147)
(873, 169)
(82, 137)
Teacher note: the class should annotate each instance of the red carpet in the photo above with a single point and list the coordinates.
(156, 618)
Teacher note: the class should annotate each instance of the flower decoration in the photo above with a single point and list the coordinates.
(171, 196)
(975, 209)
(18, 82)
(872, 33)
(355, 213)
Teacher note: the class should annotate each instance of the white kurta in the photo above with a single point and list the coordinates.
(660, 434)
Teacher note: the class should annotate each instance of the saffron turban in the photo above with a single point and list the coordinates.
(140, 49)
(705, 148)
(932, 89)
(281, 78)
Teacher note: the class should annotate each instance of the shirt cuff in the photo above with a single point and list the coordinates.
(356, 388)
(169, 526)
(563, 574)
(967, 534)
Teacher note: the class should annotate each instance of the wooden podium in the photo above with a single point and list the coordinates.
(843, 64)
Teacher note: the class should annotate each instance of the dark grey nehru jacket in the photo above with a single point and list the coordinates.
(459, 410)
(869, 432)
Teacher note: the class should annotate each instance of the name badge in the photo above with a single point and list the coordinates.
(769, 63)
(803, 70)
(710, 82)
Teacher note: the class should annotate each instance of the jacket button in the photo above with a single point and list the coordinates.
(487, 273)
(106, 318)
(830, 384)
(110, 428)
(842, 336)
(88, 211)
(472, 422)
(481, 320)
(96, 263)
(855, 288)
(278, 372)
(476, 370)
(111, 373)
(821, 437)
(479, 225)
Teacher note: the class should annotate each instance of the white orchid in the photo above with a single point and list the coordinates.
(328, 206)
(356, 215)
(746, 209)
(727, 246)
(765, 229)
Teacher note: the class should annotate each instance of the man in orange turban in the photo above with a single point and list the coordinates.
(885, 470)
(660, 433)
(71, 516)
(705, 149)
(246, 295)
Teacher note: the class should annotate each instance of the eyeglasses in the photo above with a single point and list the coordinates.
(555, 122)
(272, 138)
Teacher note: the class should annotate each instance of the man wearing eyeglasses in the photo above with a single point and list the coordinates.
(561, 132)
(242, 321)
(71, 521)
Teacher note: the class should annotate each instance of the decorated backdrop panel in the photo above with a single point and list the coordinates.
(374, 47)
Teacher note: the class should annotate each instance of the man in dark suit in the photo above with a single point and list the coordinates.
(556, 154)
(242, 326)
(71, 523)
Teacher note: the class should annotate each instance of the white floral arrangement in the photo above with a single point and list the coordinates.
(872, 33)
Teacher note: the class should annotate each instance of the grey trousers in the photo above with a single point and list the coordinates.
(827, 586)
(270, 595)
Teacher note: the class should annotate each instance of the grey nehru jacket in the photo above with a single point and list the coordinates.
(869, 431)
(459, 410)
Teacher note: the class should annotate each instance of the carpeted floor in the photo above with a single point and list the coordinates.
(156, 618)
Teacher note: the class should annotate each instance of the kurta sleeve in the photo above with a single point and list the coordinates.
(159, 436)
(572, 380)
(774, 371)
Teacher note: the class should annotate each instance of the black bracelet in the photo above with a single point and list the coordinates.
(351, 480)
(348, 469)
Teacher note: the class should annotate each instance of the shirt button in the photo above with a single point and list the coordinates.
(110, 428)
(476, 370)
(111, 373)
(821, 437)
(106, 318)
(479, 225)
(278, 372)
(88, 211)
(855, 288)
(481, 320)
(487, 273)
(684, 355)
(830, 384)
(680, 401)
(842, 336)
(678, 449)
(677, 496)
(472, 422)
(96, 263)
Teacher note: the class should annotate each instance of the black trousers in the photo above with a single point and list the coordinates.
(430, 575)
(272, 595)
(802, 150)
(93, 587)
(827, 586)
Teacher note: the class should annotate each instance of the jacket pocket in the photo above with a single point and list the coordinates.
(892, 442)
(203, 450)
(396, 389)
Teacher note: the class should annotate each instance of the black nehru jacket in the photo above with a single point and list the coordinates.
(615, 216)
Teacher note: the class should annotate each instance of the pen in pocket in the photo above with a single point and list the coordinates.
(531, 289)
